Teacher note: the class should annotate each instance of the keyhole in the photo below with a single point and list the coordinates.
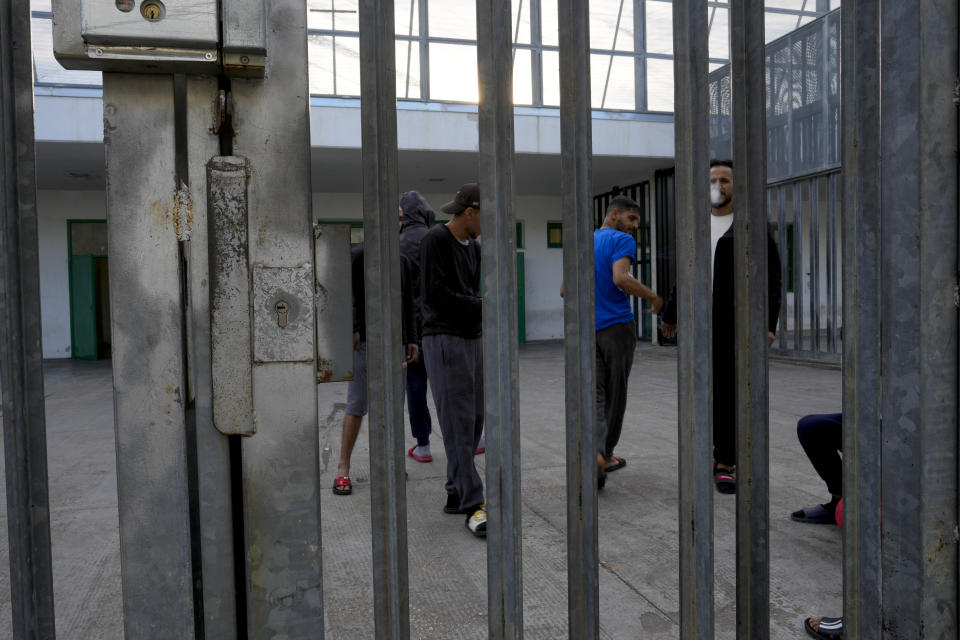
(152, 10)
(282, 310)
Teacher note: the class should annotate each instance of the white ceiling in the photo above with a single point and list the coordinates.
(80, 166)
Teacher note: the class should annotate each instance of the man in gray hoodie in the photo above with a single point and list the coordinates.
(416, 218)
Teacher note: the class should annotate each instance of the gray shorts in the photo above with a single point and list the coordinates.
(357, 388)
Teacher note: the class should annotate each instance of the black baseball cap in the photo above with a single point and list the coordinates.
(467, 196)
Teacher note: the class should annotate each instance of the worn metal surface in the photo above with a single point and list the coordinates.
(283, 314)
(385, 381)
(231, 333)
(280, 464)
(21, 365)
(861, 328)
(213, 528)
(146, 311)
(183, 24)
(579, 335)
(918, 320)
(73, 52)
(694, 302)
(750, 301)
(500, 359)
(243, 37)
(331, 250)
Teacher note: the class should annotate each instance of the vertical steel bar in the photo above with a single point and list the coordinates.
(860, 220)
(576, 159)
(21, 364)
(536, 53)
(500, 358)
(212, 448)
(385, 382)
(750, 273)
(796, 190)
(640, 49)
(814, 191)
(786, 263)
(280, 464)
(918, 318)
(694, 302)
(830, 247)
(146, 311)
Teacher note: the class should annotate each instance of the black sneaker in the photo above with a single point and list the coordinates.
(477, 521)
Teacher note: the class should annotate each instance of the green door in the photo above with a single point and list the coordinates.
(83, 313)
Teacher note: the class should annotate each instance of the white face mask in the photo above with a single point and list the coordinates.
(717, 199)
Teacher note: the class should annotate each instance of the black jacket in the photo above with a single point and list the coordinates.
(450, 285)
(410, 335)
(418, 217)
(724, 313)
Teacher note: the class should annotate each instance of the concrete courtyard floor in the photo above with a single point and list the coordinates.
(638, 515)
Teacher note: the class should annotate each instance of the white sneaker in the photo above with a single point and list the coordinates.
(477, 521)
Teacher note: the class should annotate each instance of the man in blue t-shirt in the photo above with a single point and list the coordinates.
(614, 251)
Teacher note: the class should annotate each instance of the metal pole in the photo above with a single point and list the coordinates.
(579, 319)
(388, 503)
(146, 313)
(750, 274)
(694, 298)
(918, 318)
(280, 464)
(500, 359)
(21, 364)
(860, 226)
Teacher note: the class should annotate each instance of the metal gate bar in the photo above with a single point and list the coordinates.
(695, 369)
(750, 300)
(576, 149)
(918, 318)
(281, 462)
(388, 502)
(146, 312)
(21, 364)
(500, 357)
(861, 327)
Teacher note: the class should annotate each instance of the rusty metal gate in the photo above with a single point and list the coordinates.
(237, 501)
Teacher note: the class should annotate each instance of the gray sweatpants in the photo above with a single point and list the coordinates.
(455, 368)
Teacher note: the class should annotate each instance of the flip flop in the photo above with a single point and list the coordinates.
(829, 628)
(418, 458)
(725, 480)
(342, 486)
(817, 514)
(619, 463)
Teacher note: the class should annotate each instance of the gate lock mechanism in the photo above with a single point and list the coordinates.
(282, 310)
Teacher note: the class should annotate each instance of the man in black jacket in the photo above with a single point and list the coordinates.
(451, 305)
(724, 315)
(416, 218)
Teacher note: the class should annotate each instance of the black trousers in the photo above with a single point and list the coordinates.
(724, 401)
(821, 437)
(615, 347)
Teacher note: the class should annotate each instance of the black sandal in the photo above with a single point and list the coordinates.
(827, 628)
(725, 479)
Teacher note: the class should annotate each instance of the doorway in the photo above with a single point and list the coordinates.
(89, 289)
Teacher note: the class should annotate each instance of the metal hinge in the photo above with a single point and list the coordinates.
(223, 112)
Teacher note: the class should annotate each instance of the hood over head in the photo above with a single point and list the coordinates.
(416, 210)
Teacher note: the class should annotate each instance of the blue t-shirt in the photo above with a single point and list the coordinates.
(613, 305)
